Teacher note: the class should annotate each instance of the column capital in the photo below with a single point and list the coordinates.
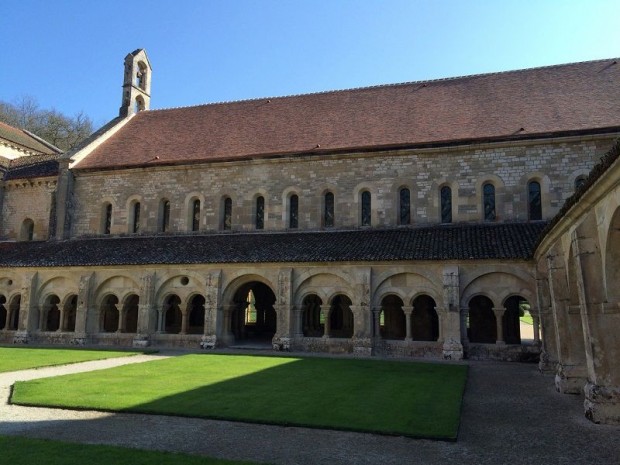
(407, 309)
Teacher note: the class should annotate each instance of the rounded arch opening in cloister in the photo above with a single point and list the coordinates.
(612, 258)
(340, 317)
(4, 314)
(424, 319)
(481, 322)
(173, 317)
(392, 322)
(517, 316)
(13, 314)
(109, 314)
(196, 315)
(313, 319)
(130, 314)
(51, 313)
(253, 316)
(69, 313)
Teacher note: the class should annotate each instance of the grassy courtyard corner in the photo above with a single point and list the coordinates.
(24, 358)
(388, 397)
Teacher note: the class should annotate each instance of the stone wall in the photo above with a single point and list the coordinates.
(555, 164)
(27, 198)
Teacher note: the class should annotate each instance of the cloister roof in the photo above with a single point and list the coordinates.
(446, 242)
(540, 102)
(32, 166)
(26, 140)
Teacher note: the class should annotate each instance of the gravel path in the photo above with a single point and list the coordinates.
(511, 414)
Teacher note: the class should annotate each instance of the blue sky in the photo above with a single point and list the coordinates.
(69, 54)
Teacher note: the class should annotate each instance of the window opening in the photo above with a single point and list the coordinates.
(196, 215)
(366, 208)
(260, 212)
(136, 217)
(488, 191)
(446, 205)
(293, 222)
(107, 224)
(534, 201)
(227, 219)
(328, 216)
(165, 216)
(580, 181)
(405, 207)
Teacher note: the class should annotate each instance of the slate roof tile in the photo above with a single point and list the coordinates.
(509, 241)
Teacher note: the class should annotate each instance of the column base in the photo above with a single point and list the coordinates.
(570, 379)
(141, 340)
(21, 337)
(281, 343)
(452, 349)
(208, 342)
(602, 404)
(547, 366)
(362, 347)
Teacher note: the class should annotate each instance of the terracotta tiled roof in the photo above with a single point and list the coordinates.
(448, 242)
(25, 139)
(33, 166)
(555, 100)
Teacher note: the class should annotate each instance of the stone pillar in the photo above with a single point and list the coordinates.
(407, 310)
(464, 313)
(499, 320)
(536, 321)
(184, 317)
(298, 331)
(571, 371)
(84, 303)
(27, 310)
(376, 318)
(282, 338)
(2, 188)
(64, 201)
(213, 314)
(544, 312)
(148, 317)
(325, 311)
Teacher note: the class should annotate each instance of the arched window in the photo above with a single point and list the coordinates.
(135, 227)
(446, 204)
(164, 215)
(404, 214)
(260, 212)
(488, 201)
(141, 76)
(27, 230)
(293, 212)
(366, 209)
(579, 181)
(138, 104)
(328, 213)
(106, 224)
(195, 216)
(534, 201)
(227, 214)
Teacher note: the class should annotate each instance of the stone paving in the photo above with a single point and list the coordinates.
(511, 414)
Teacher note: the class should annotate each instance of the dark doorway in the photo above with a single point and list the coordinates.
(253, 317)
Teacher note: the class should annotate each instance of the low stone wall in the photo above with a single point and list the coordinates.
(405, 349)
(529, 353)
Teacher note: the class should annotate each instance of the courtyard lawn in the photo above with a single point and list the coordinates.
(389, 397)
(22, 358)
(527, 319)
(25, 451)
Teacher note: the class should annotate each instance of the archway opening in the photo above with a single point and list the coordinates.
(52, 313)
(341, 317)
(424, 319)
(516, 318)
(14, 307)
(130, 314)
(3, 312)
(196, 310)
(482, 327)
(254, 317)
(69, 314)
(173, 317)
(109, 314)
(313, 319)
(392, 322)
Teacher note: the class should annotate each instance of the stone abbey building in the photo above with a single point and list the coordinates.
(417, 219)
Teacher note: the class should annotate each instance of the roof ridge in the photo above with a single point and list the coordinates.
(387, 85)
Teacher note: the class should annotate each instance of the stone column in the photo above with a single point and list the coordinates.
(282, 339)
(184, 317)
(148, 317)
(325, 311)
(408, 310)
(213, 315)
(27, 309)
(464, 313)
(549, 352)
(298, 331)
(499, 316)
(536, 321)
(376, 318)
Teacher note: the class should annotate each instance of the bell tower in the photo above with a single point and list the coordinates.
(136, 83)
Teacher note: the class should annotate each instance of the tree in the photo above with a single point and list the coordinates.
(62, 131)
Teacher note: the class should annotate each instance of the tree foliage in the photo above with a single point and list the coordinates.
(63, 131)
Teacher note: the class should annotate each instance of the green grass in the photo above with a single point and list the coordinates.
(22, 358)
(527, 319)
(24, 451)
(402, 398)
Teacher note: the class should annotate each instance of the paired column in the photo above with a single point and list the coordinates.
(499, 321)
